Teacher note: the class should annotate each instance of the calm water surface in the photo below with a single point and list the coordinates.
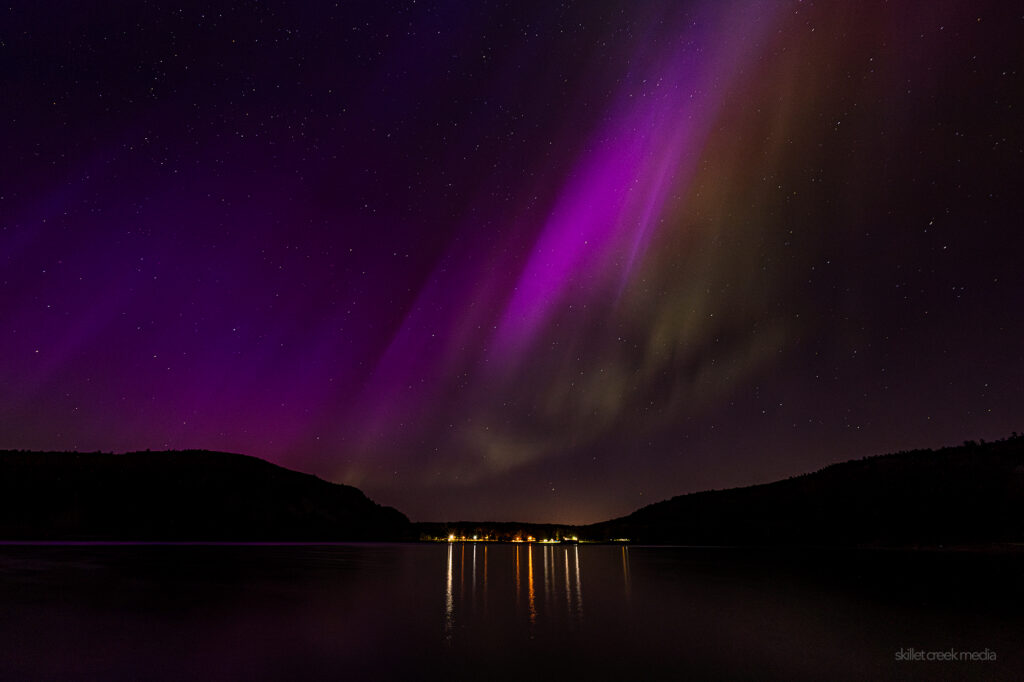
(486, 611)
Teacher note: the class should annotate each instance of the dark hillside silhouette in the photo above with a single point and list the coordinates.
(969, 494)
(186, 495)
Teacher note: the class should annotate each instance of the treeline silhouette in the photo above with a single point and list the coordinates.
(970, 494)
(180, 495)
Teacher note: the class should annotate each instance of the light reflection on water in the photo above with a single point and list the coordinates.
(625, 570)
(529, 565)
(560, 571)
(449, 601)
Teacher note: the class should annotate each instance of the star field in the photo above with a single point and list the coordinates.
(512, 260)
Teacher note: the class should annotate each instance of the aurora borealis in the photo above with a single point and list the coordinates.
(542, 261)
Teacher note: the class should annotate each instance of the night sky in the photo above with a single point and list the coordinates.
(542, 261)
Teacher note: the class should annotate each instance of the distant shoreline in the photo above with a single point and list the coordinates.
(988, 550)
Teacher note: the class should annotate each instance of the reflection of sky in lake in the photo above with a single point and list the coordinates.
(421, 611)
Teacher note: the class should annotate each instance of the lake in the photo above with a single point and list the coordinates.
(489, 611)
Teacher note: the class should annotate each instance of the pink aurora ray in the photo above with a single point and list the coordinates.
(593, 242)
(612, 205)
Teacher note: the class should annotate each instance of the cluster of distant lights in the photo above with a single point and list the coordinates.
(529, 538)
